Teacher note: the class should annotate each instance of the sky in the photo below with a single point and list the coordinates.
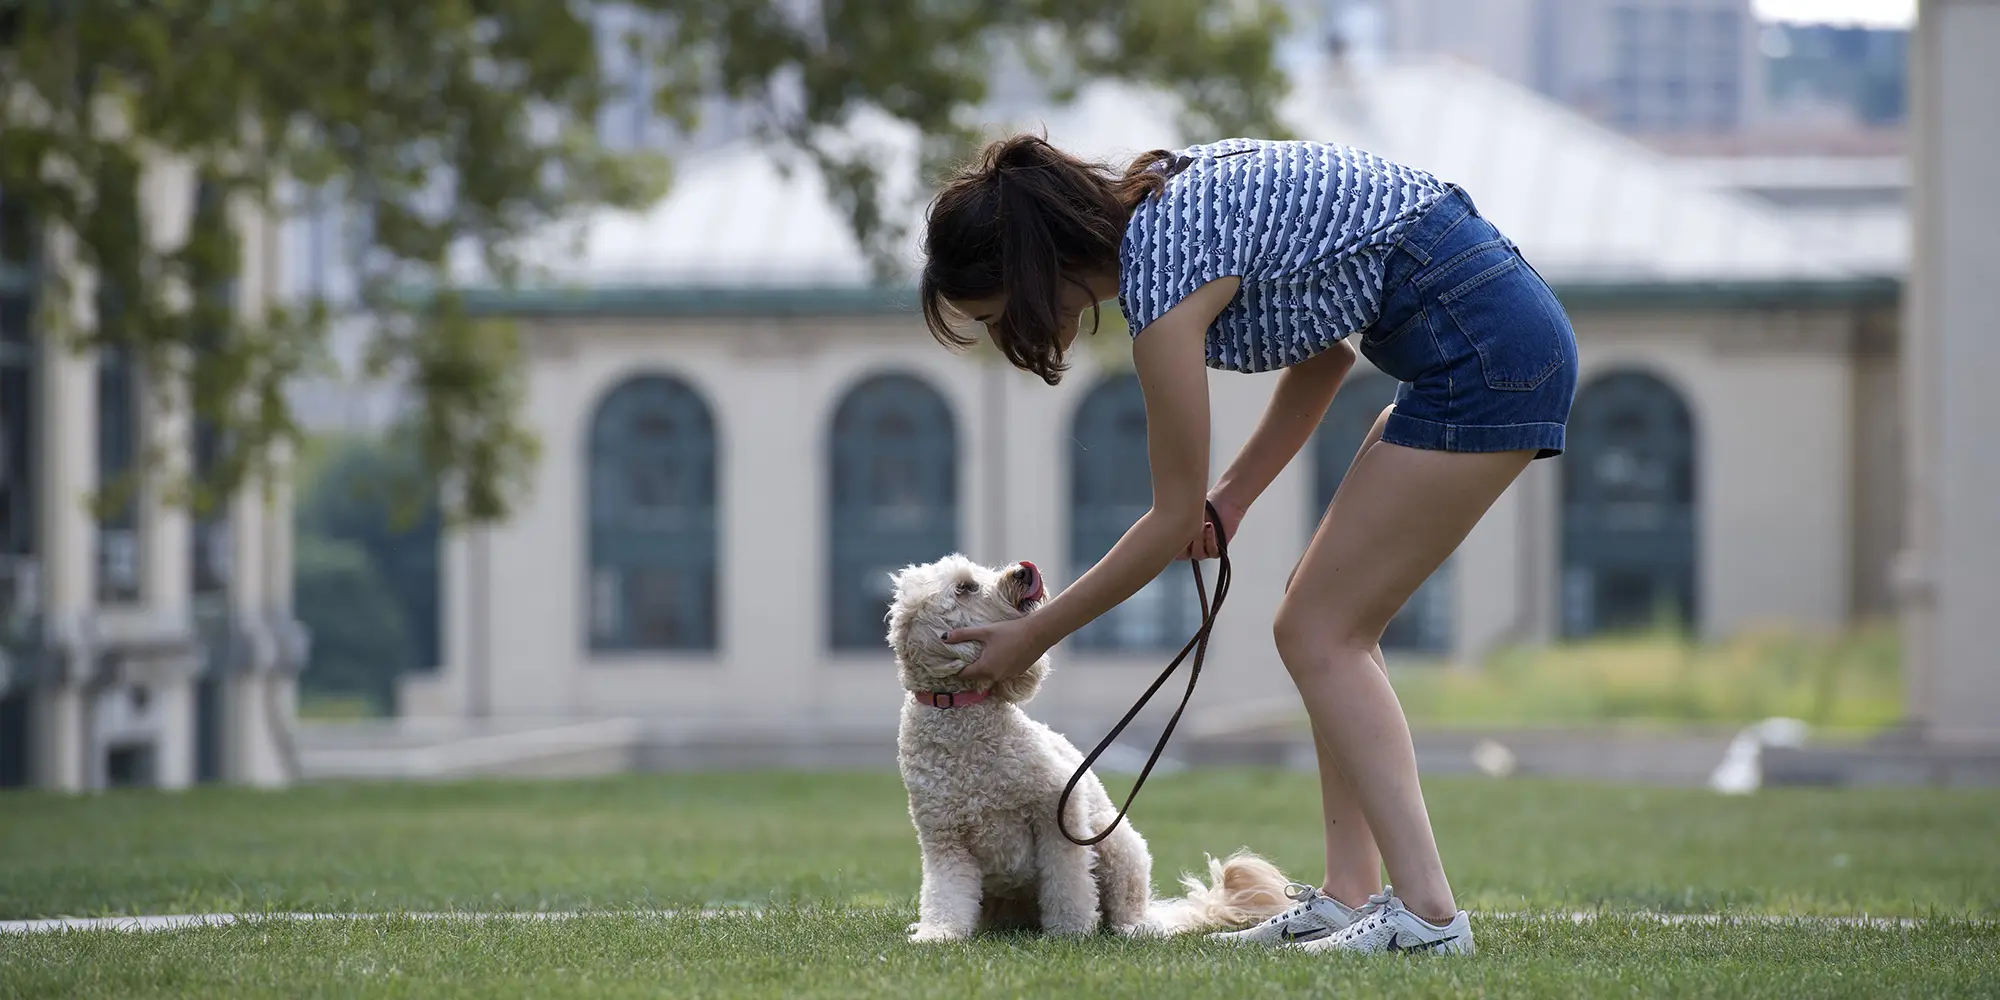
(1874, 13)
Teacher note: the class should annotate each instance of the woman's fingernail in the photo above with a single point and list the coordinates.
(944, 636)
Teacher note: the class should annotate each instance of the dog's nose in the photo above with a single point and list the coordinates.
(1021, 573)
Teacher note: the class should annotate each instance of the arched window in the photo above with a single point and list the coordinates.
(1628, 548)
(1424, 623)
(652, 519)
(1110, 488)
(893, 490)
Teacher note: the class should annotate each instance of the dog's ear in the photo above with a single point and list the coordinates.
(902, 580)
(904, 585)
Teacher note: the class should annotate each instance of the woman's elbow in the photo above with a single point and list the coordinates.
(1325, 369)
(1184, 518)
(1338, 357)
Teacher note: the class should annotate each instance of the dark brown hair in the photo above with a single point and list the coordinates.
(1018, 222)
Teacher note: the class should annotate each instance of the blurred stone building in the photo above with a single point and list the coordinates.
(743, 436)
(1654, 68)
(146, 647)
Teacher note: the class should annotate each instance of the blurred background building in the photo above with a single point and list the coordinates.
(743, 439)
(1659, 68)
(146, 646)
(743, 434)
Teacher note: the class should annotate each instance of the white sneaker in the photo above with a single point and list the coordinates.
(1391, 928)
(1314, 916)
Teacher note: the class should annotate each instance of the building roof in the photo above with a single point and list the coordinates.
(736, 218)
(1586, 204)
(1591, 209)
(1853, 207)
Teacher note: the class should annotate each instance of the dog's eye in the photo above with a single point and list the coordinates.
(968, 587)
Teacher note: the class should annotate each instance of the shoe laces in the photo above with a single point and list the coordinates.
(1370, 914)
(1357, 929)
(1302, 896)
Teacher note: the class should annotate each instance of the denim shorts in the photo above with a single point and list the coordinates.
(1484, 352)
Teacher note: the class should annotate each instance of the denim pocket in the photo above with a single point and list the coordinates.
(1512, 321)
(1406, 350)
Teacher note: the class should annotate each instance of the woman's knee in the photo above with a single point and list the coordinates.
(1309, 636)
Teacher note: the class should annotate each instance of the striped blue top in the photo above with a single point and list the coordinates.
(1307, 227)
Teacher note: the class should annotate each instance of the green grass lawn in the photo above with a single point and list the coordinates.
(336, 707)
(1842, 685)
(831, 861)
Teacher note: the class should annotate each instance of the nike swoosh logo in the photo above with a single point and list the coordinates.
(1396, 944)
(1311, 935)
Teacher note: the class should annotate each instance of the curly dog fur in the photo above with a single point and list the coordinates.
(984, 780)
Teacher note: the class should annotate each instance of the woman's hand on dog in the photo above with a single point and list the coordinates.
(1007, 650)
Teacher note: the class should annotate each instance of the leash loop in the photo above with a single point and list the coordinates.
(1198, 645)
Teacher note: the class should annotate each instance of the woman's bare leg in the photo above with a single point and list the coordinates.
(1399, 513)
(1353, 862)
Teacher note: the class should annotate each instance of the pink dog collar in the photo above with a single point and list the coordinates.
(948, 699)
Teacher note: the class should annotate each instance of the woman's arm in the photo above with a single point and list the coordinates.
(1295, 410)
(1170, 358)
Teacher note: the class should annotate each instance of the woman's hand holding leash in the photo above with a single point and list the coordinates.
(1205, 547)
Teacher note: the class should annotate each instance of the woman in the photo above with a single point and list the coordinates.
(1258, 256)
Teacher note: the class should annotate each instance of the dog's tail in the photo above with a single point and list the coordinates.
(1240, 891)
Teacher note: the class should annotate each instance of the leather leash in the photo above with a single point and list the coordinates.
(1198, 645)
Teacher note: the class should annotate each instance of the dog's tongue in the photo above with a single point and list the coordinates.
(1036, 571)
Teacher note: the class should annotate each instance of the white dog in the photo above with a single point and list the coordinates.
(984, 780)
